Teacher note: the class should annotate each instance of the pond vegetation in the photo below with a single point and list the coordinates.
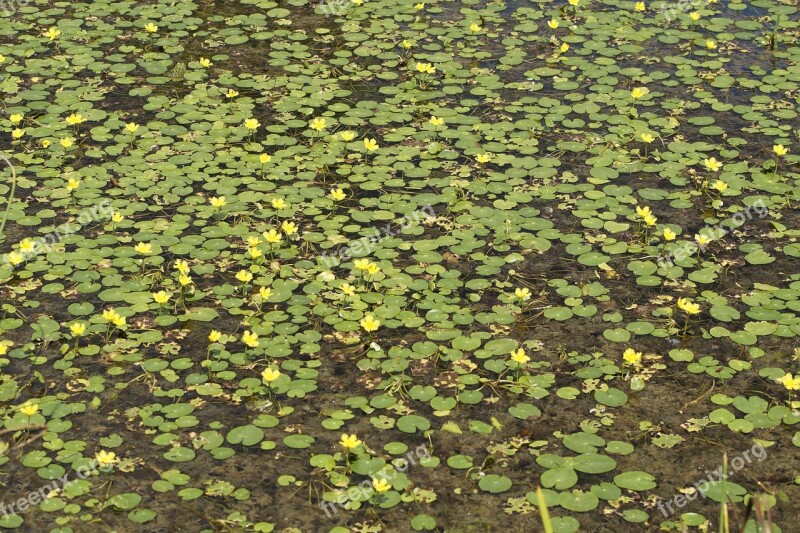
(376, 265)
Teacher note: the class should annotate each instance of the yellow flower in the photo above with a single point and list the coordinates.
(118, 321)
(252, 124)
(406, 44)
(26, 245)
(232, 93)
(573, 2)
(790, 382)
(75, 119)
(648, 138)
(131, 128)
(687, 306)
(780, 150)
(669, 235)
(265, 293)
(16, 118)
(639, 6)
(349, 442)
(105, 458)
(701, 239)
(348, 136)
(289, 228)
(643, 211)
(46, 143)
(632, 357)
(712, 164)
(720, 185)
(3, 348)
(278, 203)
(650, 220)
(371, 144)
(184, 280)
(270, 374)
(73, 184)
(483, 158)
(318, 124)
(217, 202)
(250, 339)
(205, 62)
(17, 133)
(436, 121)
(77, 329)
(214, 336)
(564, 47)
(711, 44)
(694, 15)
(519, 357)
(265, 158)
(370, 323)
(182, 266)
(348, 289)
(420, 6)
(52, 33)
(150, 27)
(425, 67)
(253, 240)
(110, 314)
(15, 258)
(338, 195)
(144, 248)
(254, 252)
(161, 297)
(474, 27)
(373, 269)
(639, 92)
(29, 409)
(244, 276)
(361, 264)
(523, 293)
(553, 23)
(66, 142)
(272, 236)
(2, 58)
(380, 485)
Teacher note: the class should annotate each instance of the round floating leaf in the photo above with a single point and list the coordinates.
(179, 454)
(298, 441)
(423, 522)
(494, 484)
(578, 501)
(635, 480)
(724, 491)
(125, 501)
(248, 435)
(611, 397)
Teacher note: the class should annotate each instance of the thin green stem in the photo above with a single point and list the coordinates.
(10, 198)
